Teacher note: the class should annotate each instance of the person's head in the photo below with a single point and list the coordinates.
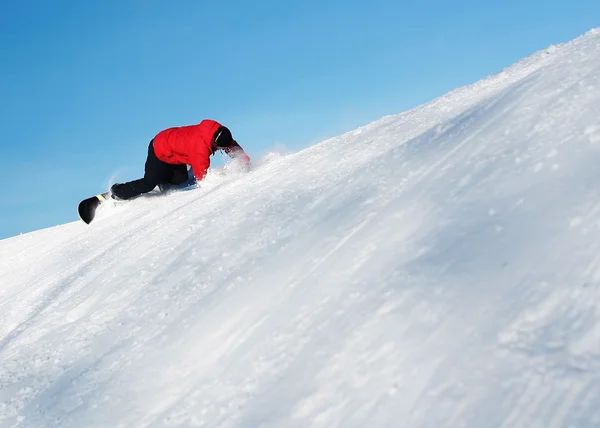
(222, 138)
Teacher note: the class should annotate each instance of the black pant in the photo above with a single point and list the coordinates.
(156, 172)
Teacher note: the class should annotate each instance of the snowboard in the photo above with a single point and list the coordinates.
(87, 207)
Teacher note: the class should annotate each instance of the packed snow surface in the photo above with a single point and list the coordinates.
(436, 268)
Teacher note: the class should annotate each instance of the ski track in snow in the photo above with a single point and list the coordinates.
(436, 268)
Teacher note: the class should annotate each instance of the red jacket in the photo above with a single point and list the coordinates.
(193, 145)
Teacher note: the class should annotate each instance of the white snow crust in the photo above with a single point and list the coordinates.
(435, 268)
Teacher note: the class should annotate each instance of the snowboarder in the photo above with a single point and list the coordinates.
(171, 150)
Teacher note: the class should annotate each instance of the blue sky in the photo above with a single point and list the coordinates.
(86, 84)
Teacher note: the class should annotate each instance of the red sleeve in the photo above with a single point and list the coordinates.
(235, 151)
(200, 161)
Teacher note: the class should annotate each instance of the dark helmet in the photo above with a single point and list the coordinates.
(223, 137)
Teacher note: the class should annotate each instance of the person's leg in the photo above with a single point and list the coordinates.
(179, 174)
(156, 172)
(178, 178)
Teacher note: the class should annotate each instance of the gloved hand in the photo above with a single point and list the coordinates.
(246, 166)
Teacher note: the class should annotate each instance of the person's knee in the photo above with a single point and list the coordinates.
(179, 176)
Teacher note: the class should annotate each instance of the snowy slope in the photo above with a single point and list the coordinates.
(437, 268)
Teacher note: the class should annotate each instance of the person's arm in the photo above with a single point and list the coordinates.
(235, 151)
(200, 164)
